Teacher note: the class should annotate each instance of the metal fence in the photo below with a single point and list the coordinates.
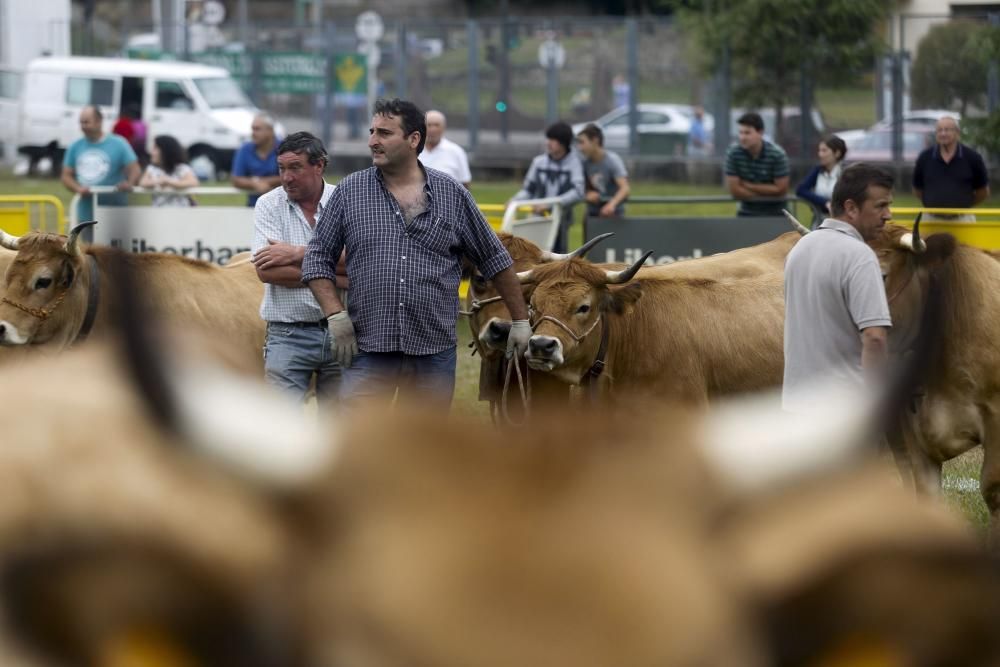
(486, 76)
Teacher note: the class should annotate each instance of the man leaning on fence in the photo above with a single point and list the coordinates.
(98, 159)
(756, 168)
(557, 172)
(297, 346)
(949, 174)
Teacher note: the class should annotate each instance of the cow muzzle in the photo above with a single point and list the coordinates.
(544, 353)
(9, 335)
(494, 334)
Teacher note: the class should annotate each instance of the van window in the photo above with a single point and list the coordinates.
(222, 93)
(81, 91)
(171, 95)
(10, 85)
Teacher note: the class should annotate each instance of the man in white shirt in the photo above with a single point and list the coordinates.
(443, 154)
(297, 345)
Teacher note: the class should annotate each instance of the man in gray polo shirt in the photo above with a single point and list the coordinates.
(836, 313)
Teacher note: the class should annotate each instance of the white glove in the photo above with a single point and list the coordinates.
(343, 343)
(517, 339)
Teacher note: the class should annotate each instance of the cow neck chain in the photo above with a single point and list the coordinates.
(906, 283)
(40, 313)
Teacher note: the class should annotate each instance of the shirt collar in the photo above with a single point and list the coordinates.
(936, 150)
(842, 227)
(323, 198)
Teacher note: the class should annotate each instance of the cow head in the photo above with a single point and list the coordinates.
(569, 301)
(45, 290)
(909, 262)
(490, 319)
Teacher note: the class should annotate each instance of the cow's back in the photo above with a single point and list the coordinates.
(221, 302)
(697, 339)
(741, 263)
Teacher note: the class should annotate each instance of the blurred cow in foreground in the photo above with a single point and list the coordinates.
(204, 522)
(57, 293)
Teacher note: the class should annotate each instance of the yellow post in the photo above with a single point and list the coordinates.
(20, 214)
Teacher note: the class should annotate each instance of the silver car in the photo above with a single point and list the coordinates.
(664, 125)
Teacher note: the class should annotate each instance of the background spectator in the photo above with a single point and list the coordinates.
(949, 174)
(607, 178)
(168, 170)
(756, 168)
(255, 164)
(443, 154)
(698, 143)
(817, 186)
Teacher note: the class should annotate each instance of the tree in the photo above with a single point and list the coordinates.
(951, 66)
(773, 43)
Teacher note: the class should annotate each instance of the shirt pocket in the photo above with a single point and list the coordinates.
(435, 233)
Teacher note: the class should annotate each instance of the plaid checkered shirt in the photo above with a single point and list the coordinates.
(277, 217)
(404, 277)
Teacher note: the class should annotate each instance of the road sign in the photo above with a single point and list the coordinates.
(551, 54)
(213, 12)
(369, 27)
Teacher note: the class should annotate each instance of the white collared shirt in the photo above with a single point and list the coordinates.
(278, 218)
(448, 157)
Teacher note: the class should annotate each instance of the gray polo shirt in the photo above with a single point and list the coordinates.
(833, 290)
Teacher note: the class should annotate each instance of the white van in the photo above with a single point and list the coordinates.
(203, 107)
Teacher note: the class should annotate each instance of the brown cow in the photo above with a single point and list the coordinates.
(582, 542)
(490, 320)
(959, 407)
(682, 338)
(49, 296)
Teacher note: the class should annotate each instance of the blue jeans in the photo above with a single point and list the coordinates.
(429, 378)
(294, 352)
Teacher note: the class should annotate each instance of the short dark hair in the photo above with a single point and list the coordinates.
(594, 133)
(835, 144)
(305, 142)
(853, 184)
(561, 132)
(171, 152)
(751, 119)
(411, 118)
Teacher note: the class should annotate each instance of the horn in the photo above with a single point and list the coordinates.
(796, 225)
(526, 276)
(9, 241)
(579, 252)
(71, 240)
(913, 242)
(618, 277)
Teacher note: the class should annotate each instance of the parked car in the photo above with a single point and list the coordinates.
(791, 128)
(912, 119)
(876, 146)
(663, 128)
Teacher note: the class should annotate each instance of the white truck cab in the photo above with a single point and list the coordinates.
(203, 107)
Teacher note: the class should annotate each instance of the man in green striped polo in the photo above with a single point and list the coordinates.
(756, 168)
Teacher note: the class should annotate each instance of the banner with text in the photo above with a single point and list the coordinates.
(673, 239)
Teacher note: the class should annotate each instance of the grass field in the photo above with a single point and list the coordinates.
(961, 475)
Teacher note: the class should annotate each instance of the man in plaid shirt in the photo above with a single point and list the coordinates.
(405, 228)
(296, 347)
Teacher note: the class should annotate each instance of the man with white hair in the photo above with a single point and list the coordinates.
(949, 174)
(443, 154)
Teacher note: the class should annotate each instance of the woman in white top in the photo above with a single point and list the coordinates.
(817, 187)
(168, 170)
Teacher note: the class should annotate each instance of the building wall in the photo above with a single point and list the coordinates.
(31, 28)
(914, 18)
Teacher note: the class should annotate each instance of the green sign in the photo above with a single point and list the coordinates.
(350, 73)
(292, 73)
(239, 65)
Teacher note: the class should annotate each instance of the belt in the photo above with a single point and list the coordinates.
(304, 325)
